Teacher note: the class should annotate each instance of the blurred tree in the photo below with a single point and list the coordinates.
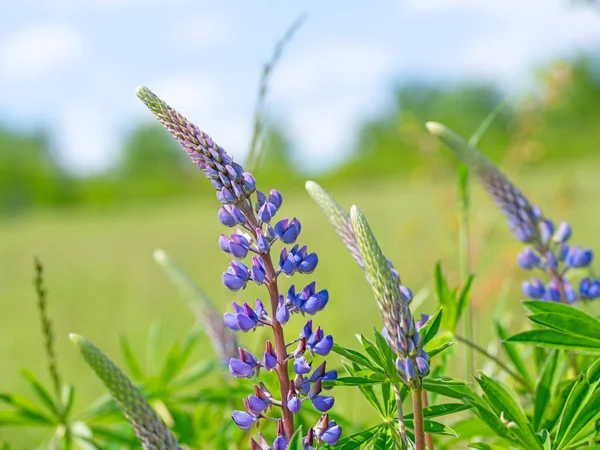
(29, 174)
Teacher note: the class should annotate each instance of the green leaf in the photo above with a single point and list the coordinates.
(574, 403)
(440, 349)
(448, 387)
(132, 363)
(26, 408)
(178, 356)
(503, 402)
(556, 339)
(41, 393)
(296, 442)
(372, 351)
(491, 419)
(441, 410)
(586, 417)
(513, 354)
(543, 390)
(389, 357)
(567, 323)
(66, 400)
(355, 381)
(431, 327)
(432, 427)
(358, 440)
(463, 298)
(557, 403)
(536, 306)
(354, 356)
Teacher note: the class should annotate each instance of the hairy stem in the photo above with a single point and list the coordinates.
(401, 425)
(417, 400)
(278, 336)
(500, 364)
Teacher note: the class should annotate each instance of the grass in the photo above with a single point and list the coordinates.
(102, 280)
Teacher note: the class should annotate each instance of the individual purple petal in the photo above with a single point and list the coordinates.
(280, 443)
(324, 346)
(563, 233)
(262, 242)
(527, 259)
(256, 405)
(294, 404)
(322, 403)
(249, 183)
(275, 198)
(232, 282)
(230, 321)
(422, 366)
(224, 243)
(226, 218)
(240, 369)
(243, 419)
(534, 288)
(239, 216)
(307, 329)
(245, 323)
(261, 312)
(546, 230)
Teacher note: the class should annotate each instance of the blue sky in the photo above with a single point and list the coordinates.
(72, 66)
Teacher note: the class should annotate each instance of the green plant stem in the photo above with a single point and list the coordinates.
(401, 426)
(500, 364)
(464, 256)
(417, 399)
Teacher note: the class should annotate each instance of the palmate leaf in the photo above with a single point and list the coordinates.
(147, 425)
(544, 388)
(359, 440)
(513, 354)
(502, 402)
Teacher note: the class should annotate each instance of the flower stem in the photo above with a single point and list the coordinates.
(428, 436)
(401, 426)
(278, 336)
(418, 418)
(500, 364)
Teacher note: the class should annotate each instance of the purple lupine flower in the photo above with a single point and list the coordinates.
(422, 321)
(270, 358)
(293, 401)
(589, 289)
(578, 257)
(528, 259)
(262, 243)
(283, 313)
(287, 230)
(253, 211)
(321, 373)
(405, 291)
(553, 291)
(326, 430)
(422, 365)
(546, 230)
(287, 264)
(319, 343)
(321, 403)
(534, 288)
(244, 318)
(237, 276)
(243, 419)
(236, 245)
(301, 365)
(245, 367)
(257, 270)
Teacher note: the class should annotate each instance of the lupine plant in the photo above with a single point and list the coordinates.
(252, 212)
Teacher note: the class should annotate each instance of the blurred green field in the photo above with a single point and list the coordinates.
(103, 281)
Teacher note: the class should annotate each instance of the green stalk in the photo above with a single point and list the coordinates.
(417, 399)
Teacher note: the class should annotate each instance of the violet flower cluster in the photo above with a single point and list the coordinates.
(252, 213)
(548, 249)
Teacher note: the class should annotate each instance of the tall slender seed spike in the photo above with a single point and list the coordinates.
(147, 425)
(392, 304)
(223, 340)
(342, 223)
(338, 217)
(506, 195)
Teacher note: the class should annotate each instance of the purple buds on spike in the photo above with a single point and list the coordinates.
(528, 259)
(245, 367)
(257, 270)
(579, 257)
(270, 358)
(283, 313)
(236, 245)
(563, 233)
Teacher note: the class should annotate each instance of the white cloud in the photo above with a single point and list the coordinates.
(33, 52)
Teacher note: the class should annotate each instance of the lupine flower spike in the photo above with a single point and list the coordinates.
(148, 427)
(253, 212)
(547, 248)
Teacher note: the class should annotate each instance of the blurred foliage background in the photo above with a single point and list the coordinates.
(96, 233)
